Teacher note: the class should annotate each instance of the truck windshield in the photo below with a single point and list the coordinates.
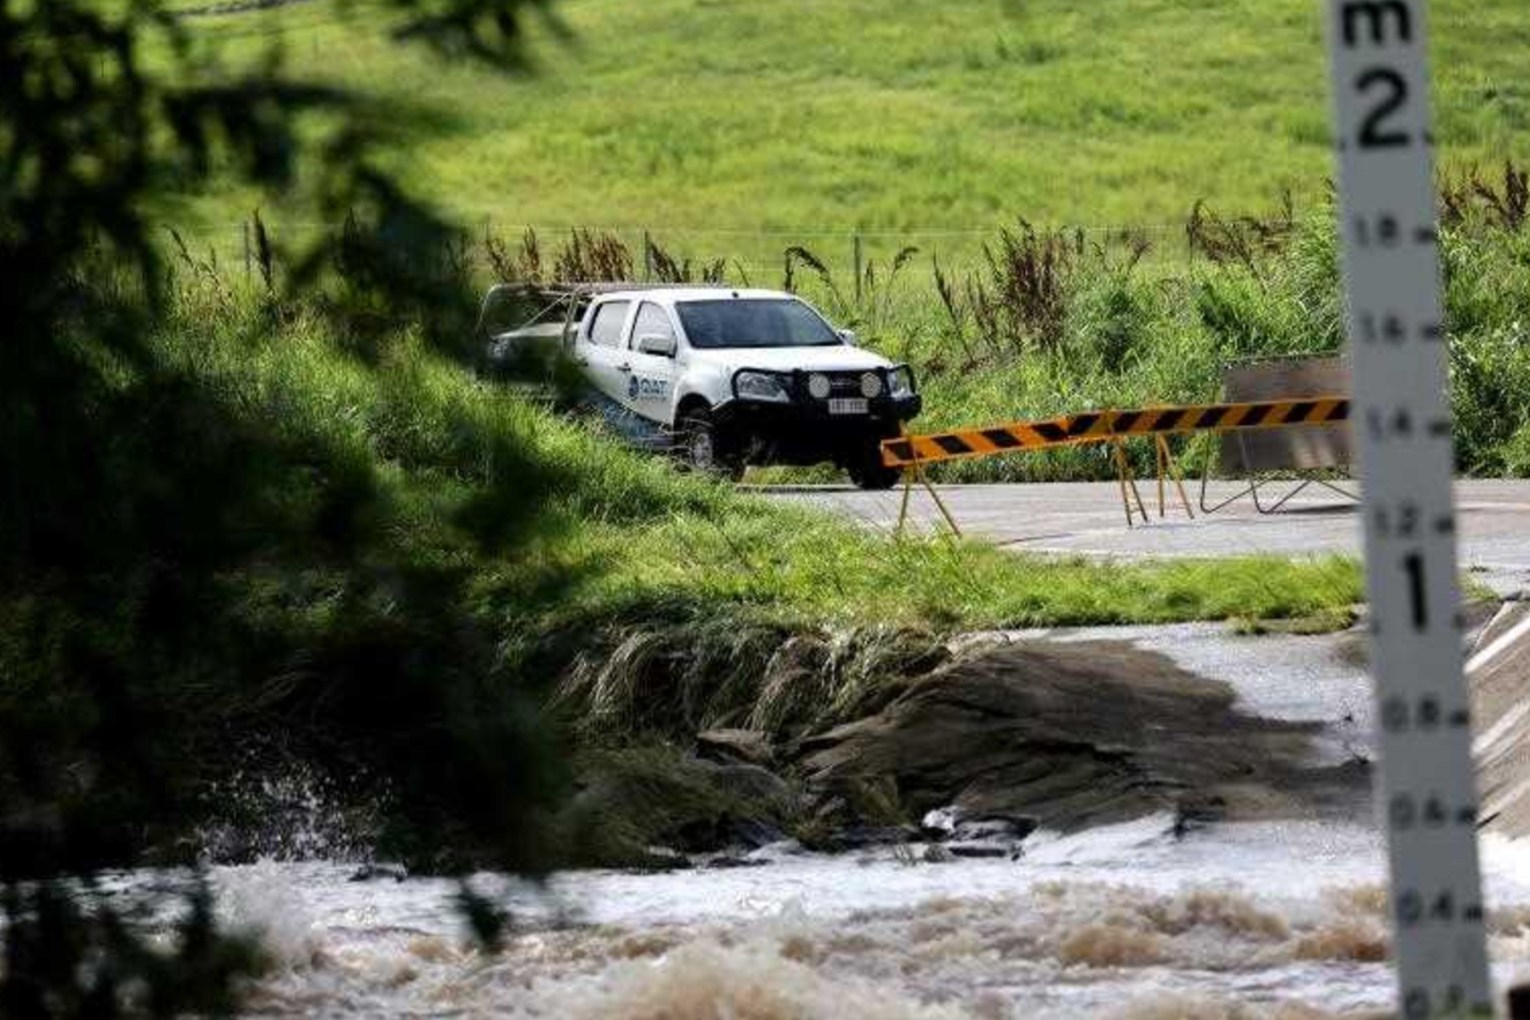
(754, 322)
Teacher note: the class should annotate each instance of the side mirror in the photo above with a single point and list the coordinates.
(848, 336)
(656, 343)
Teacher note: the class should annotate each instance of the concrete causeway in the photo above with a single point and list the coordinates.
(1086, 518)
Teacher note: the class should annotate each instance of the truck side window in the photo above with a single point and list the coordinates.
(650, 319)
(606, 329)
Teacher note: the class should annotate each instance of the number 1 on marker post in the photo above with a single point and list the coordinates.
(1387, 226)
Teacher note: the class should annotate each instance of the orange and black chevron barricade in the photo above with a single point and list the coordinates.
(1105, 426)
(917, 451)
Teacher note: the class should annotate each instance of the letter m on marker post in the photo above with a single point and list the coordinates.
(1376, 14)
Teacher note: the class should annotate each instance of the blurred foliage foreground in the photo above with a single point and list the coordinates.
(139, 510)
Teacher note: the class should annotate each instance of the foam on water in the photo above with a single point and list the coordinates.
(1058, 949)
(262, 900)
(1241, 921)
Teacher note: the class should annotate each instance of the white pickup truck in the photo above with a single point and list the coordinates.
(730, 377)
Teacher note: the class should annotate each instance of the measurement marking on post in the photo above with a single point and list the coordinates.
(1381, 98)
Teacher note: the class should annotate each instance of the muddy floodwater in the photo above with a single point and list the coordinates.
(1238, 920)
(1151, 917)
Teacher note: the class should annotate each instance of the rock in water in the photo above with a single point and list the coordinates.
(1064, 735)
(978, 851)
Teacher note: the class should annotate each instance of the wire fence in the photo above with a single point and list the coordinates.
(756, 257)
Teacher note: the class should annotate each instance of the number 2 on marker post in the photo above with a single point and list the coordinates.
(1387, 226)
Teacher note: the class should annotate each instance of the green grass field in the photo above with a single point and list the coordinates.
(734, 129)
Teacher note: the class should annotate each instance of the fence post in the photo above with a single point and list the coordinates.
(857, 268)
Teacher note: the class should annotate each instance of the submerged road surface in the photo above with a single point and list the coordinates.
(1086, 518)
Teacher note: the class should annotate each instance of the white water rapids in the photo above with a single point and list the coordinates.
(1240, 920)
(1252, 919)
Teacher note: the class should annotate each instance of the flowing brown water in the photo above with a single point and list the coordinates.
(1240, 921)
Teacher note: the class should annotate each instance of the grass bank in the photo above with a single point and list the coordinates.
(329, 544)
(610, 533)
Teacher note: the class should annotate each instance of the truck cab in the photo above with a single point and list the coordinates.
(728, 377)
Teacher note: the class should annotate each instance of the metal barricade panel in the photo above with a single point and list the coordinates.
(1289, 449)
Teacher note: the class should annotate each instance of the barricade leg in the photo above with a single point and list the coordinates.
(1167, 464)
(939, 503)
(1275, 507)
(1126, 503)
(1251, 489)
(1124, 475)
(909, 476)
(1159, 465)
(908, 487)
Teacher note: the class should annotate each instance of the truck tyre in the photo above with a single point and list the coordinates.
(868, 472)
(700, 449)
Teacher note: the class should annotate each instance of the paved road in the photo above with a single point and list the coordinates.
(1087, 519)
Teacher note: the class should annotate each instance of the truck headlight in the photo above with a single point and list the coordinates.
(871, 386)
(901, 380)
(761, 386)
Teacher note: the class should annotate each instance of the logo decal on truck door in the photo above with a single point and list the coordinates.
(639, 388)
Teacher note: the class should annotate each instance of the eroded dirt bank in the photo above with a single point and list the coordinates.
(1068, 735)
(987, 740)
(841, 745)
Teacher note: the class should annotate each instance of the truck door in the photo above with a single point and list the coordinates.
(650, 388)
(608, 367)
(605, 360)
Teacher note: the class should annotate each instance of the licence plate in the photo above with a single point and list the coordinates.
(847, 405)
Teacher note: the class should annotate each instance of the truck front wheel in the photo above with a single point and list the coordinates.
(868, 472)
(701, 448)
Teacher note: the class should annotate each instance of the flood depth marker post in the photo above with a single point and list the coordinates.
(1387, 225)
